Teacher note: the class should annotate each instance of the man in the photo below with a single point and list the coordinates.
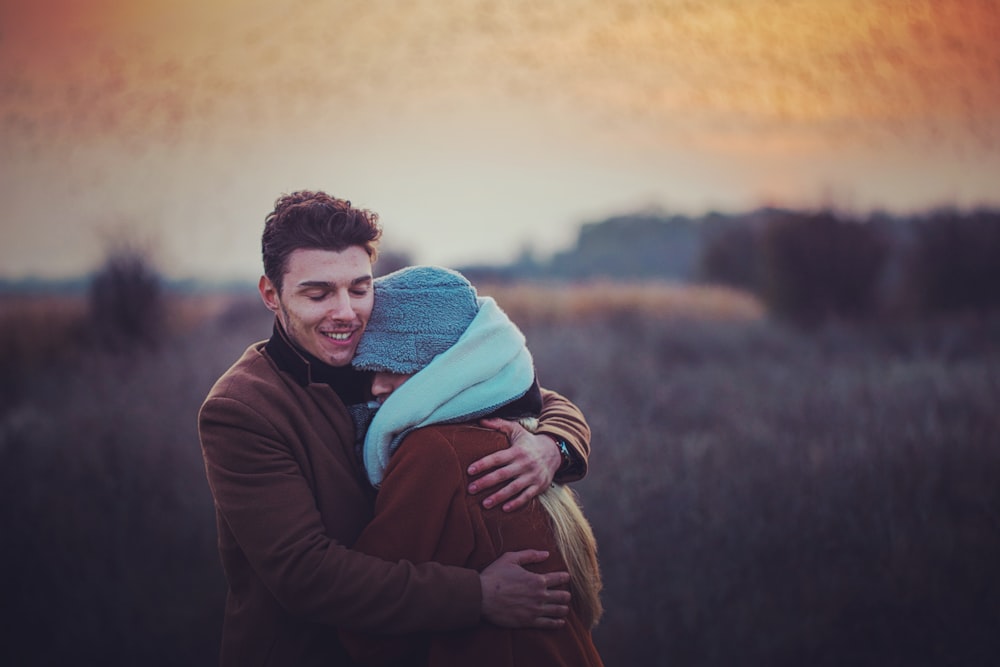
(289, 491)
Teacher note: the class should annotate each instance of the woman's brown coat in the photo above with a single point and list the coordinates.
(423, 514)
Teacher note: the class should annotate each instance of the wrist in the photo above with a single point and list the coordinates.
(565, 456)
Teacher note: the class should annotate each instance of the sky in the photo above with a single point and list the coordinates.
(476, 129)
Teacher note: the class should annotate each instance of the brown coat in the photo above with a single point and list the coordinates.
(423, 514)
(291, 499)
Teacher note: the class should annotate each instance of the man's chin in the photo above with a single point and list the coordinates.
(337, 361)
(339, 358)
(336, 354)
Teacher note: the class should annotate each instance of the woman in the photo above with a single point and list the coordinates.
(443, 358)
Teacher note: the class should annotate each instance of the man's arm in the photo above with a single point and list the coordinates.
(534, 460)
(270, 515)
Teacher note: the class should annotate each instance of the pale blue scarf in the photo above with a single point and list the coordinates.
(488, 367)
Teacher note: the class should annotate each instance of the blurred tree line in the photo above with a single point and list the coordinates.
(808, 267)
(812, 268)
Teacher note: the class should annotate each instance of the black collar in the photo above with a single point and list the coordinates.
(349, 384)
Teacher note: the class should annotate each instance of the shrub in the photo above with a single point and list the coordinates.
(953, 263)
(730, 257)
(127, 304)
(818, 267)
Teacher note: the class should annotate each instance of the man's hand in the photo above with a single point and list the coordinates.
(526, 468)
(516, 598)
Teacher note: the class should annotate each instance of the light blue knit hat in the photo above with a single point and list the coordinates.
(419, 312)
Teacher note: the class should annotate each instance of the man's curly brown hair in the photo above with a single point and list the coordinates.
(314, 220)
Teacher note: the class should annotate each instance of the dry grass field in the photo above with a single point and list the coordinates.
(762, 496)
(539, 304)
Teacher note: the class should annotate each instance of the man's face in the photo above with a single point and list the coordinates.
(325, 301)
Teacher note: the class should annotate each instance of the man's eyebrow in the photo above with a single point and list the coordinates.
(329, 285)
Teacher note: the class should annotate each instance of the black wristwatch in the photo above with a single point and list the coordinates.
(567, 458)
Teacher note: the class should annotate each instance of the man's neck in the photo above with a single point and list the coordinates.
(306, 368)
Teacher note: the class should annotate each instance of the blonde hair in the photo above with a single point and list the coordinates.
(578, 547)
(576, 542)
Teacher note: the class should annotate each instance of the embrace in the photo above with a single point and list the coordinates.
(388, 476)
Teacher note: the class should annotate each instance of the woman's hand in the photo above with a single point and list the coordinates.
(526, 468)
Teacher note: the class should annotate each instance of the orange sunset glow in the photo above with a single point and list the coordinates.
(181, 121)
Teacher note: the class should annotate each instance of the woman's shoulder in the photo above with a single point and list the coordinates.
(468, 441)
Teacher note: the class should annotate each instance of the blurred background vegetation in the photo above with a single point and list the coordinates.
(795, 433)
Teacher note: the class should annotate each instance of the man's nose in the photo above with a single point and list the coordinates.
(340, 307)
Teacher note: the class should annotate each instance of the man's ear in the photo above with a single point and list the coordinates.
(269, 293)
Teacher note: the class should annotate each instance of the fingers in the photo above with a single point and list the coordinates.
(528, 557)
(503, 466)
(553, 582)
(509, 428)
(545, 623)
(553, 612)
(516, 503)
(516, 483)
(514, 496)
(511, 498)
(491, 461)
(555, 602)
